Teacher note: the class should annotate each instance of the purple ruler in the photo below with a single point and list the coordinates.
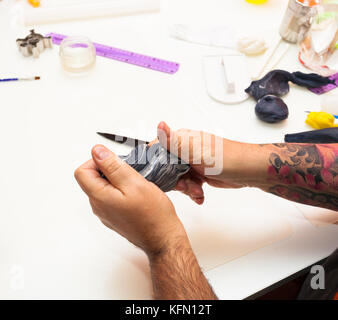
(327, 87)
(127, 56)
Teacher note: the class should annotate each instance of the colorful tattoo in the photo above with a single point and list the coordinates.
(306, 196)
(306, 173)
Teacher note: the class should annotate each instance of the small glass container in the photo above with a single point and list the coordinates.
(298, 19)
(77, 54)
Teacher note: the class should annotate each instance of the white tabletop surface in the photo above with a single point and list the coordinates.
(51, 245)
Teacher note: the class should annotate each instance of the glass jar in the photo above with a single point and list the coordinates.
(77, 54)
(297, 19)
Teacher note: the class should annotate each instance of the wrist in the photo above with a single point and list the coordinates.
(169, 248)
(243, 163)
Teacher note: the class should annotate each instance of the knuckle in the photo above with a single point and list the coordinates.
(77, 173)
(112, 167)
(140, 184)
(99, 195)
(93, 205)
(97, 206)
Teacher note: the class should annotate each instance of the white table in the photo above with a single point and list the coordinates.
(51, 245)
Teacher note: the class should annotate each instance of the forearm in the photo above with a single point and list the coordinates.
(176, 274)
(305, 173)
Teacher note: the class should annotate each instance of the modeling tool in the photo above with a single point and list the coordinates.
(122, 139)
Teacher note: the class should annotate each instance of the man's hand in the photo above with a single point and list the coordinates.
(129, 204)
(139, 211)
(203, 151)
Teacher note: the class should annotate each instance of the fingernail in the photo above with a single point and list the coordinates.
(101, 153)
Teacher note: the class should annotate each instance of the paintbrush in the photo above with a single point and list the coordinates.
(19, 79)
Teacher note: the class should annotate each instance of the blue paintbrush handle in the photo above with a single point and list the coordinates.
(9, 79)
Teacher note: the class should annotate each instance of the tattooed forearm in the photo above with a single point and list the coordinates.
(306, 196)
(306, 173)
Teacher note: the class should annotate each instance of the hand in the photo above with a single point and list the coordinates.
(128, 204)
(212, 158)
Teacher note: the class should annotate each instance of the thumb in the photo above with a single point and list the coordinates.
(197, 148)
(178, 142)
(163, 135)
(119, 173)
